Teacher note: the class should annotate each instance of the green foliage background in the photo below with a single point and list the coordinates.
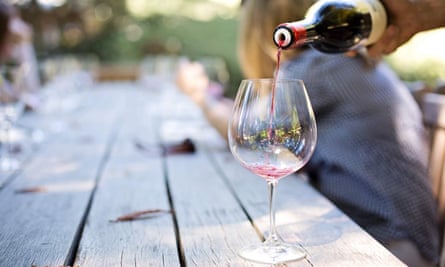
(190, 38)
(182, 36)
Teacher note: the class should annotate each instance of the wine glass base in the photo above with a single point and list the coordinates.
(272, 254)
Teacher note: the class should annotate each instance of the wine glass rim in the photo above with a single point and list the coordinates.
(272, 79)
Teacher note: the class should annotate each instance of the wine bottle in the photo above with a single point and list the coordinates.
(335, 26)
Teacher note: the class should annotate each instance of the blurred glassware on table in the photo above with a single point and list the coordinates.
(154, 68)
(11, 108)
(160, 65)
(61, 96)
(216, 68)
(54, 66)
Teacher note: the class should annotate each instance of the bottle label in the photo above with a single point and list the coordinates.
(378, 18)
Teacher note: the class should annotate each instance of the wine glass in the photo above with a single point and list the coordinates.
(272, 132)
(11, 108)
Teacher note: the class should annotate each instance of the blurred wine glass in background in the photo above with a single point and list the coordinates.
(11, 108)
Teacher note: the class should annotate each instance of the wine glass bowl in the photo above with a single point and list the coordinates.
(272, 132)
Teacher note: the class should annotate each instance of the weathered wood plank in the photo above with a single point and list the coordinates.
(213, 197)
(133, 180)
(306, 218)
(39, 228)
(211, 222)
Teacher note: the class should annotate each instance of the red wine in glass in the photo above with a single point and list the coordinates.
(269, 172)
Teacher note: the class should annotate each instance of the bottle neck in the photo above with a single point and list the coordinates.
(294, 34)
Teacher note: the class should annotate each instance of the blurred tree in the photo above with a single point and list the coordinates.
(117, 30)
(111, 30)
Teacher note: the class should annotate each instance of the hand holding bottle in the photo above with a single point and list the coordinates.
(335, 26)
(407, 17)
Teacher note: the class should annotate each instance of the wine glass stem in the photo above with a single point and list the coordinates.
(273, 236)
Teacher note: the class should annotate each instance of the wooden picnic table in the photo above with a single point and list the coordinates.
(59, 208)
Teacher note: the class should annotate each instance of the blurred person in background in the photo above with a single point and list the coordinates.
(17, 50)
(372, 151)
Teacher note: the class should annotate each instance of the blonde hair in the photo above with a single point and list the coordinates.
(259, 18)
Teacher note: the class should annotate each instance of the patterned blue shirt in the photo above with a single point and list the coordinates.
(372, 151)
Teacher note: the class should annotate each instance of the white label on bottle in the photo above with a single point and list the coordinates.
(378, 18)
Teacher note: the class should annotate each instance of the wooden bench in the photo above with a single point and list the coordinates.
(433, 106)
